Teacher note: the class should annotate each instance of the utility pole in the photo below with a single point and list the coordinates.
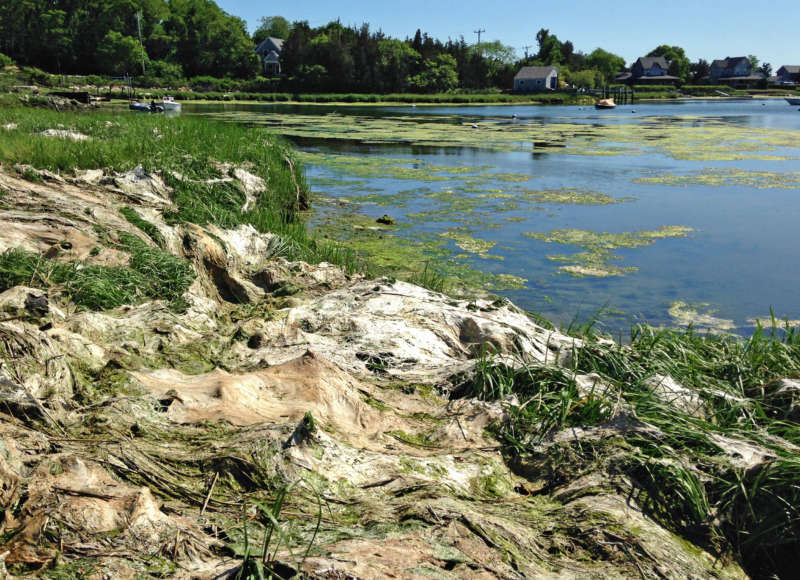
(526, 50)
(479, 32)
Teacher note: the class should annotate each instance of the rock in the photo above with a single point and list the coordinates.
(385, 219)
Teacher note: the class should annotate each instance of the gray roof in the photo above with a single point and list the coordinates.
(792, 69)
(647, 62)
(535, 72)
(269, 44)
(729, 61)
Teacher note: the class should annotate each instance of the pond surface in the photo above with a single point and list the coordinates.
(670, 213)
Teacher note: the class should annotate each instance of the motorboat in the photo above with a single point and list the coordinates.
(151, 107)
(793, 102)
(170, 104)
(605, 104)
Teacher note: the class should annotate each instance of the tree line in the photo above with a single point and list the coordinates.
(172, 40)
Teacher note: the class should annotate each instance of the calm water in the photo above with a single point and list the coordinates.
(740, 260)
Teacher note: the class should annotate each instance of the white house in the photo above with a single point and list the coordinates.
(270, 53)
(536, 78)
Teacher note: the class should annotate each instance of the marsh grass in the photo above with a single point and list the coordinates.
(261, 564)
(151, 274)
(148, 228)
(192, 146)
(677, 474)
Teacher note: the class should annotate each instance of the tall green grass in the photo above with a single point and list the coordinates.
(189, 145)
(677, 473)
(151, 274)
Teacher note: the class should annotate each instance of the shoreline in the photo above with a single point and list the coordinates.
(381, 425)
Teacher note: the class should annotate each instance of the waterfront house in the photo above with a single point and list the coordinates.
(269, 51)
(735, 72)
(789, 74)
(536, 78)
(648, 70)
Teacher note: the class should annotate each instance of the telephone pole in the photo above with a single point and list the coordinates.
(526, 50)
(479, 32)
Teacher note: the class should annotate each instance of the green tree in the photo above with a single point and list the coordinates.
(119, 54)
(679, 65)
(209, 41)
(438, 76)
(396, 62)
(700, 70)
(607, 63)
(550, 48)
(753, 61)
(271, 26)
(587, 78)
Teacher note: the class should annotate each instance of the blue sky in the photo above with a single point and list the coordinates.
(704, 28)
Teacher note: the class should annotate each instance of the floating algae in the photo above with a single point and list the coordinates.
(469, 244)
(594, 261)
(682, 137)
(728, 176)
(404, 254)
(699, 316)
(769, 321)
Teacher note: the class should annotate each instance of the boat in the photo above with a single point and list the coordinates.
(793, 102)
(170, 104)
(151, 107)
(605, 104)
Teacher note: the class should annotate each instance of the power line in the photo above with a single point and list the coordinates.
(479, 32)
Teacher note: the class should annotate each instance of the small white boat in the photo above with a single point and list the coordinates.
(152, 107)
(793, 102)
(170, 104)
(605, 104)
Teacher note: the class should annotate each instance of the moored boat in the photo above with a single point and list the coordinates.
(145, 107)
(605, 104)
(793, 102)
(170, 104)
